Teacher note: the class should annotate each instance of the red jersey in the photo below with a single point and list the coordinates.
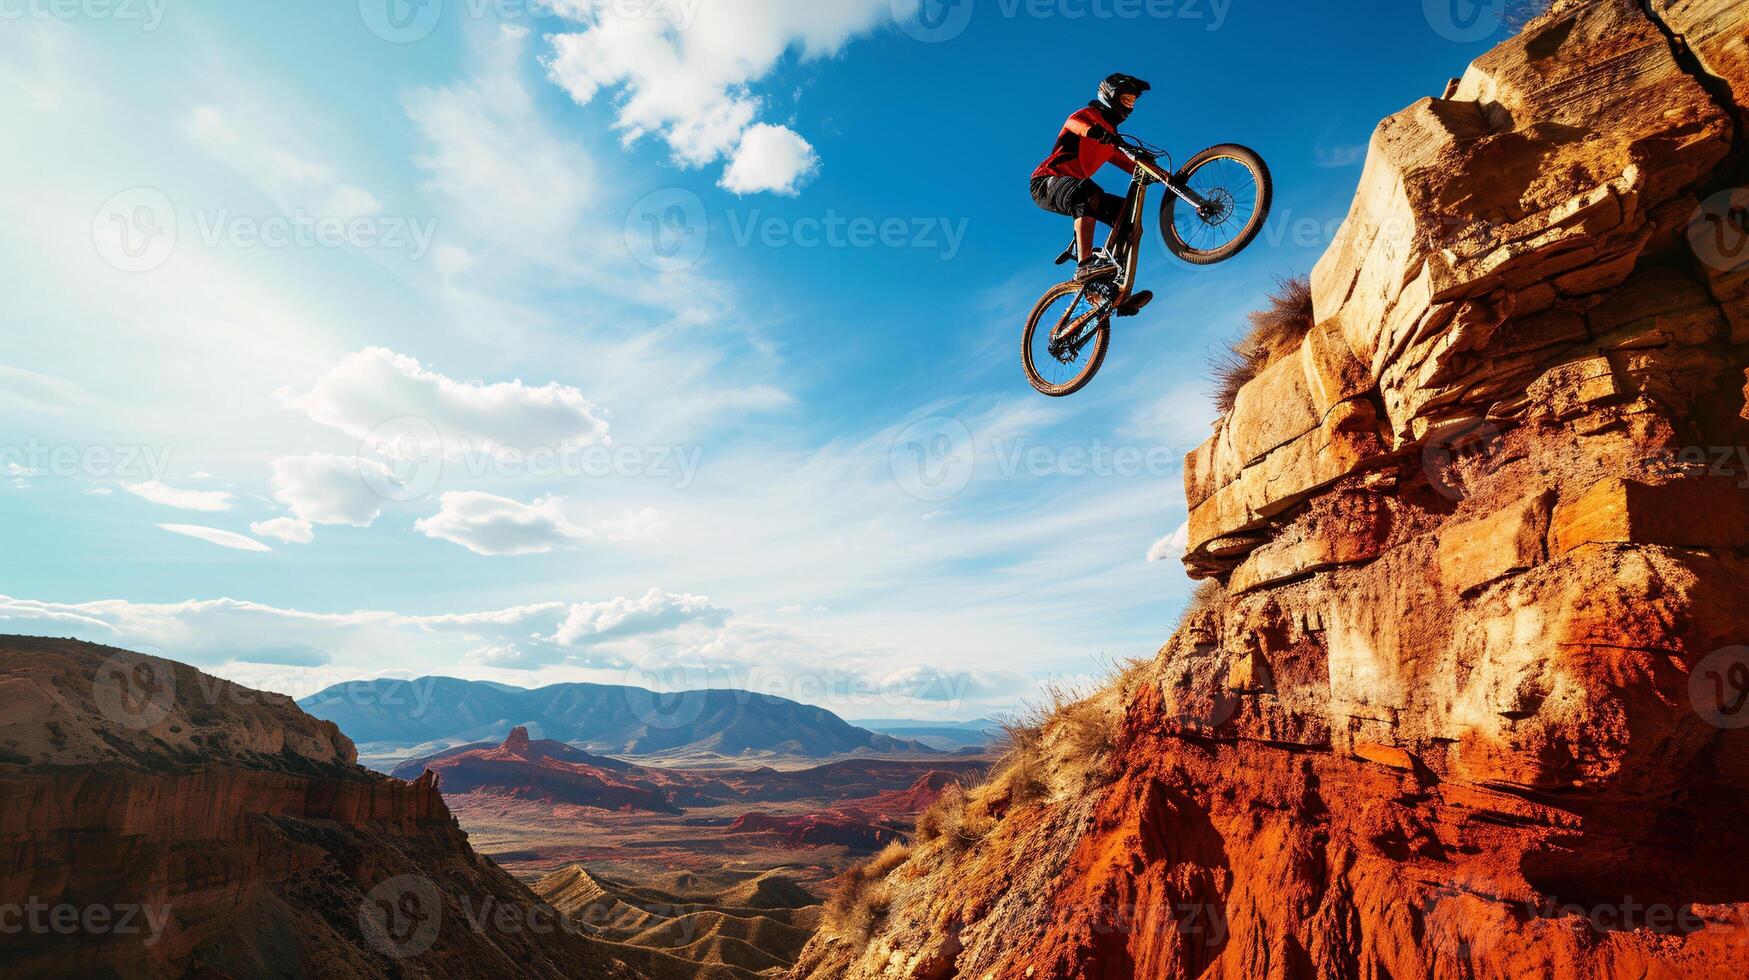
(1077, 156)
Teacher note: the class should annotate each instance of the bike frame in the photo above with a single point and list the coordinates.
(1123, 243)
(1127, 234)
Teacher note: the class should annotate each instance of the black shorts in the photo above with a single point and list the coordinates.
(1076, 197)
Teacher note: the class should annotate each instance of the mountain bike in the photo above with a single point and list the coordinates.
(1215, 206)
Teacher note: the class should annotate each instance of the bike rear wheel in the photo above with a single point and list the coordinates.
(1063, 368)
(1236, 183)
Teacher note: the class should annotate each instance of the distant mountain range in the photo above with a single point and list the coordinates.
(948, 736)
(600, 718)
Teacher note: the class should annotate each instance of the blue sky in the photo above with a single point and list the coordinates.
(667, 342)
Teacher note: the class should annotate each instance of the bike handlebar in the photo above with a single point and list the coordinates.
(1135, 146)
(1141, 149)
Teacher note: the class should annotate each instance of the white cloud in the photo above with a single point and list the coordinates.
(376, 386)
(322, 488)
(1172, 545)
(662, 640)
(169, 496)
(487, 524)
(291, 530)
(491, 525)
(770, 158)
(688, 80)
(213, 535)
(656, 611)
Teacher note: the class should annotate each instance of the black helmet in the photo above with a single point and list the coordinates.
(1115, 86)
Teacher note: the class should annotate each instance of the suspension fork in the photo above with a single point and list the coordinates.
(1183, 193)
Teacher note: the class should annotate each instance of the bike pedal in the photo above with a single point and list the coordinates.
(1136, 302)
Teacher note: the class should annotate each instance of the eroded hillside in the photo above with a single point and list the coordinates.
(1464, 696)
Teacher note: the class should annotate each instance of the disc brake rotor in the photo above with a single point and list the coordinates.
(1220, 206)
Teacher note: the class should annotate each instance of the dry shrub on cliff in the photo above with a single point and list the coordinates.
(943, 817)
(1276, 331)
(958, 819)
(1208, 594)
(1018, 777)
(1062, 740)
(862, 898)
(1087, 729)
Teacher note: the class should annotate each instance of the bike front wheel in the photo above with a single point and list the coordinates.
(1235, 183)
(1059, 366)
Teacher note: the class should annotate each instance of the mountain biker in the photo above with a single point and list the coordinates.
(1063, 183)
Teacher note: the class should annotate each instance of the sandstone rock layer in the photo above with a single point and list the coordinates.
(1468, 698)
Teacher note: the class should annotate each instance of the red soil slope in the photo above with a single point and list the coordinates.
(865, 824)
(552, 772)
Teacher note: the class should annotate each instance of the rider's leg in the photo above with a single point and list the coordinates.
(1084, 229)
(1092, 208)
(1083, 200)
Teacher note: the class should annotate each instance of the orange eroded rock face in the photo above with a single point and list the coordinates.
(1469, 697)
(193, 827)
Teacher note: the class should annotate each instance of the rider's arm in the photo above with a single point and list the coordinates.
(1084, 127)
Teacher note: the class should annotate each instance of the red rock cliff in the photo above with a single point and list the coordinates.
(157, 822)
(1466, 696)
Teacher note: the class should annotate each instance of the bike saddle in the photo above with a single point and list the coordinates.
(1068, 253)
